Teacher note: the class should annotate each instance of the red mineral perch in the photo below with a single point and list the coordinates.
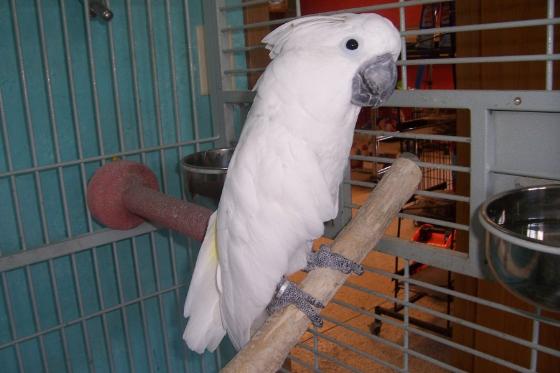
(124, 194)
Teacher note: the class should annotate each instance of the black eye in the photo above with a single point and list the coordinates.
(352, 44)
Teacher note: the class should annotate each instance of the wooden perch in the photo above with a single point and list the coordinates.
(270, 345)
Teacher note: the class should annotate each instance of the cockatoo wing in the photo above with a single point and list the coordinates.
(205, 329)
(265, 223)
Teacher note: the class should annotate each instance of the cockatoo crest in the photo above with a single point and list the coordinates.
(276, 40)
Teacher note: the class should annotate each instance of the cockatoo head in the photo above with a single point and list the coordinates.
(348, 55)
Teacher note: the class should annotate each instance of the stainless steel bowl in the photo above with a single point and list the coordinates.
(204, 173)
(523, 242)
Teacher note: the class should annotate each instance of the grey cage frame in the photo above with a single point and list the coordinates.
(485, 107)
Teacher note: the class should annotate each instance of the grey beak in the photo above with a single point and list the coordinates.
(374, 82)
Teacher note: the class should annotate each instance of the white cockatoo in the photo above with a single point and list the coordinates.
(284, 177)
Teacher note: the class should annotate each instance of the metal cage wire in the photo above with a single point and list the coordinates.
(76, 92)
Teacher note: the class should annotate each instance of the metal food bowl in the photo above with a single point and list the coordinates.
(523, 242)
(204, 173)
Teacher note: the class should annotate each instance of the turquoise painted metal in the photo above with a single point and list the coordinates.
(76, 92)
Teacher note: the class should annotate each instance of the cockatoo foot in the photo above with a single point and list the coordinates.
(325, 258)
(288, 293)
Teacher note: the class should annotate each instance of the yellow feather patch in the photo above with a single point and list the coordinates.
(213, 247)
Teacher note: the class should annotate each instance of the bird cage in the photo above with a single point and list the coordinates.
(86, 82)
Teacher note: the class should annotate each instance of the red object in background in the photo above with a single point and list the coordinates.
(438, 237)
(442, 77)
(430, 235)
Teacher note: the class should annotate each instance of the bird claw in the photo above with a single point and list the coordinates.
(325, 258)
(288, 293)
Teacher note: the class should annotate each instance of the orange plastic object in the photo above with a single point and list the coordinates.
(430, 235)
